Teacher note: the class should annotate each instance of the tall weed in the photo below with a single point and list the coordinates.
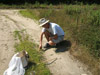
(72, 10)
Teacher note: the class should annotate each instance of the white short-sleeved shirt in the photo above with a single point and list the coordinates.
(54, 29)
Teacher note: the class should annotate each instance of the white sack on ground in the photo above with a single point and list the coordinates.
(15, 66)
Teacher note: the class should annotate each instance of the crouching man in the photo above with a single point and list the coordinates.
(52, 31)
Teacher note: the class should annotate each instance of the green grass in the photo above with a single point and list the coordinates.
(36, 59)
(29, 13)
(81, 26)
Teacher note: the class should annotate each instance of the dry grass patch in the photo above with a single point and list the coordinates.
(83, 55)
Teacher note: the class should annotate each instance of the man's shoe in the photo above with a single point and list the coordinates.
(47, 45)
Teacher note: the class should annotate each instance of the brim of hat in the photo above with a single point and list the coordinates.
(44, 23)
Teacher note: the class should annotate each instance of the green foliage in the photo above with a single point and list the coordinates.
(49, 1)
(37, 4)
(36, 59)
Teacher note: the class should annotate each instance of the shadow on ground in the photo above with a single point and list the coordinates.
(30, 64)
(63, 46)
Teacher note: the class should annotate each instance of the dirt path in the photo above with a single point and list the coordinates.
(61, 63)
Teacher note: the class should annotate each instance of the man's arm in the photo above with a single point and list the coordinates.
(41, 37)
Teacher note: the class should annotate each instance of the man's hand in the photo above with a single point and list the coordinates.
(40, 47)
(41, 37)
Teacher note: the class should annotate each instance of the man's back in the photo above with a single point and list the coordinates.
(54, 29)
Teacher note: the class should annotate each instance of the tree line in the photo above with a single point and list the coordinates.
(50, 1)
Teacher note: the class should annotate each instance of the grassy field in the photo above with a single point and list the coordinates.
(36, 59)
(81, 24)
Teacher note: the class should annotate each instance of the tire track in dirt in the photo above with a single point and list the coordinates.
(6, 41)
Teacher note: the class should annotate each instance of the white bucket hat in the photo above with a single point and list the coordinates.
(43, 21)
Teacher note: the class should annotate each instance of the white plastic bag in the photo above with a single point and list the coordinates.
(15, 66)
